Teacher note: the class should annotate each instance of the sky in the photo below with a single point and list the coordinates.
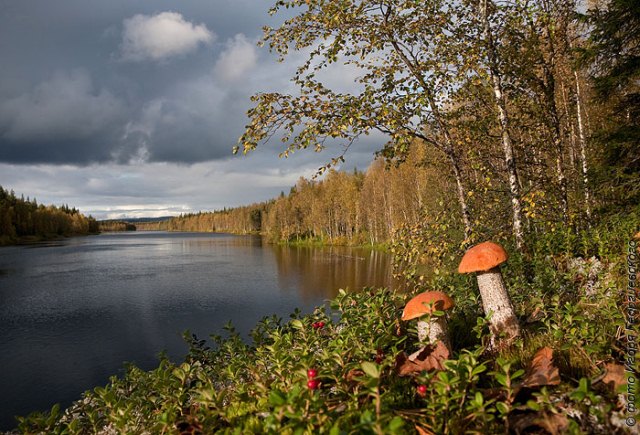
(127, 108)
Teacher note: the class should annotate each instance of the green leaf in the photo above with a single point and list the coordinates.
(479, 398)
(370, 369)
(297, 324)
(395, 424)
(517, 374)
(479, 369)
(276, 398)
(501, 378)
(533, 405)
(502, 408)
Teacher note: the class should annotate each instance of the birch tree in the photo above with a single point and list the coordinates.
(503, 115)
(410, 57)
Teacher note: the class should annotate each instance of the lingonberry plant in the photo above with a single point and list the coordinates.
(343, 368)
(291, 379)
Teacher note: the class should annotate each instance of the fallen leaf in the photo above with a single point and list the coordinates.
(542, 371)
(536, 315)
(353, 374)
(423, 431)
(554, 424)
(399, 331)
(429, 358)
(614, 376)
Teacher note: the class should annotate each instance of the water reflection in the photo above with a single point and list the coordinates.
(72, 313)
(319, 272)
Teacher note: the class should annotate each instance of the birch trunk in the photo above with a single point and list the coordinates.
(550, 96)
(448, 145)
(433, 331)
(507, 146)
(583, 150)
(462, 200)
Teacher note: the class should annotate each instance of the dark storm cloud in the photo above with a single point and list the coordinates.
(99, 108)
(85, 82)
(61, 120)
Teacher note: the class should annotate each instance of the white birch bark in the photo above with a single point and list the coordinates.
(583, 149)
(507, 145)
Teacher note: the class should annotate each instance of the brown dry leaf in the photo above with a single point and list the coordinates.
(614, 376)
(536, 315)
(554, 424)
(398, 328)
(353, 374)
(428, 358)
(542, 371)
(423, 431)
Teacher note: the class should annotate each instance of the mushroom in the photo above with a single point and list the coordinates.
(484, 260)
(436, 327)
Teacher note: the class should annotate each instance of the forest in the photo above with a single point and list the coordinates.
(24, 220)
(534, 129)
(515, 122)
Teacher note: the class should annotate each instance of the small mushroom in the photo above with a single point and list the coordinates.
(436, 328)
(484, 260)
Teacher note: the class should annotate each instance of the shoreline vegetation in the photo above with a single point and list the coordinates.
(24, 221)
(530, 140)
(343, 368)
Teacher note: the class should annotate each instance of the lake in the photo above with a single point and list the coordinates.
(73, 311)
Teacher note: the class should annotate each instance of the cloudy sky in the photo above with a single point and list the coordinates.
(131, 108)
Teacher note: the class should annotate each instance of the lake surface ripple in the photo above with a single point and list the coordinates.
(72, 312)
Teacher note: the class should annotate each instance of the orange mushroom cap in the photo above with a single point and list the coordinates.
(482, 257)
(426, 303)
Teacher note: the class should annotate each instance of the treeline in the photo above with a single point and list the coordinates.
(240, 220)
(342, 208)
(529, 112)
(113, 226)
(25, 219)
(535, 129)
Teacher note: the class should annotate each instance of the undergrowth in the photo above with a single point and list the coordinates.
(572, 303)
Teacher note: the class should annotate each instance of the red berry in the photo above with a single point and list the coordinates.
(313, 384)
(320, 324)
(315, 325)
(422, 390)
(312, 373)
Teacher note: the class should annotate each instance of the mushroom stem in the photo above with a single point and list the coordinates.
(495, 299)
(433, 330)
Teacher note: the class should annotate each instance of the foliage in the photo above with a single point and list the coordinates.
(262, 386)
(444, 147)
(238, 220)
(343, 208)
(25, 220)
(113, 225)
(612, 52)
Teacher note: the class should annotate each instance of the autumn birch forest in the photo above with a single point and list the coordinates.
(505, 120)
(511, 121)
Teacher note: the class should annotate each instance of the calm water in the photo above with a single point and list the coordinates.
(72, 312)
